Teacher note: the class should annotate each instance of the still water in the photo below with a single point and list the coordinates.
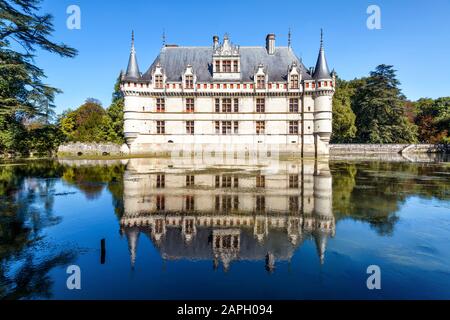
(197, 228)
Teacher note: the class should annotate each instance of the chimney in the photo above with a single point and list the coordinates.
(270, 43)
(215, 42)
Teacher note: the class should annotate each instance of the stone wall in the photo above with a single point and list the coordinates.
(355, 149)
(92, 149)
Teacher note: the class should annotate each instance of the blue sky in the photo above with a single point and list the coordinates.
(415, 38)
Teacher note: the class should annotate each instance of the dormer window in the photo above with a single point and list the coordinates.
(235, 66)
(159, 81)
(260, 82)
(189, 82)
(226, 64)
(294, 81)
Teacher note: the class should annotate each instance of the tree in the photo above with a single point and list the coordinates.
(379, 108)
(23, 95)
(115, 114)
(86, 124)
(433, 119)
(344, 129)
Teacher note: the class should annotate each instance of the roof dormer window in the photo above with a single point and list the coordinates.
(189, 82)
(260, 82)
(159, 81)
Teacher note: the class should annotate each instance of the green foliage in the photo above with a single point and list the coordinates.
(92, 123)
(344, 129)
(433, 120)
(23, 95)
(379, 106)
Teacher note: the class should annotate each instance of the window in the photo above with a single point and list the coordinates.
(160, 181)
(189, 82)
(158, 81)
(226, 182)
(160, 203)
(260, 82)
(260, 203)
(226, 65)
(294, 81)
(189, 207)
(293, 181)
(236, 127)
(236, 105)
(160, 105)
(293, 204)
(190, 181)
(293, 105)
(226, 127)
(160, 127)
(217, 125)
(235, 66)
(293, 127)
(217, 105)
(260, 181)
(260, 105)
(190, 127)
(226, 105)
(189, 104)
(260, 127)
(217, 66)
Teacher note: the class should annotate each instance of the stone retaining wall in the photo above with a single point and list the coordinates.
(345, 149)
(92, 149)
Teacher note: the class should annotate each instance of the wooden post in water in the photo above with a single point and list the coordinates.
(103, 251)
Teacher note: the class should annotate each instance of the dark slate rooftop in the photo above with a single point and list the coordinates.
(175, 59)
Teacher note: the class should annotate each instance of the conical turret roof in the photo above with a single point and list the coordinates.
(133, 67)
(321, 71)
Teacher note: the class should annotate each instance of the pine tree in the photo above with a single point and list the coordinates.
(379, 106)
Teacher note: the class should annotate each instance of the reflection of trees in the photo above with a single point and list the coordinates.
(91, 180)
(374, 191)
(26, 207)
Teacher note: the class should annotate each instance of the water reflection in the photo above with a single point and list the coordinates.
(195, 210)
(225, 213)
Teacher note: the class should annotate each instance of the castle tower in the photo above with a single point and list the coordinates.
(132, 75)
(323, 102)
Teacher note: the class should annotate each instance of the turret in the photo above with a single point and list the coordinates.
(323, 101)
(133, 68)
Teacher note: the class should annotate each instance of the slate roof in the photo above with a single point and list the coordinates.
(175, 59)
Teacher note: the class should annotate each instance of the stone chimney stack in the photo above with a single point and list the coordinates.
(270, 43)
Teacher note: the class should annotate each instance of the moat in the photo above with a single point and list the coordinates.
(224, 228)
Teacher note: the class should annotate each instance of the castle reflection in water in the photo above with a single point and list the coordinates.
(226, 209)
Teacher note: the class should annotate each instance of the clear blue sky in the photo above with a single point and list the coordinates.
(415, 38)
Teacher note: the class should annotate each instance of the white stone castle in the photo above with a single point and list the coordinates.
(228, 97)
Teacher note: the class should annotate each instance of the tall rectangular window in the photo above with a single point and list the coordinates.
(160, 181)
(160, 203)
(217, 105)
(226, 127)
(260, 105)
(190, 127)
(235, 66)
(189, 104)
(160, 105)
(293, 127)
(158, 81)
(294, 81)
(218, 66)
(260, 181)
(226, 105)
(236, 127)
(293, 105)
(189, 82)
(236, 105)
(190, 181)
(217, 126)
(160, 127)
(293, 181)
(226, 66)
(260, 127)
(260, 82)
